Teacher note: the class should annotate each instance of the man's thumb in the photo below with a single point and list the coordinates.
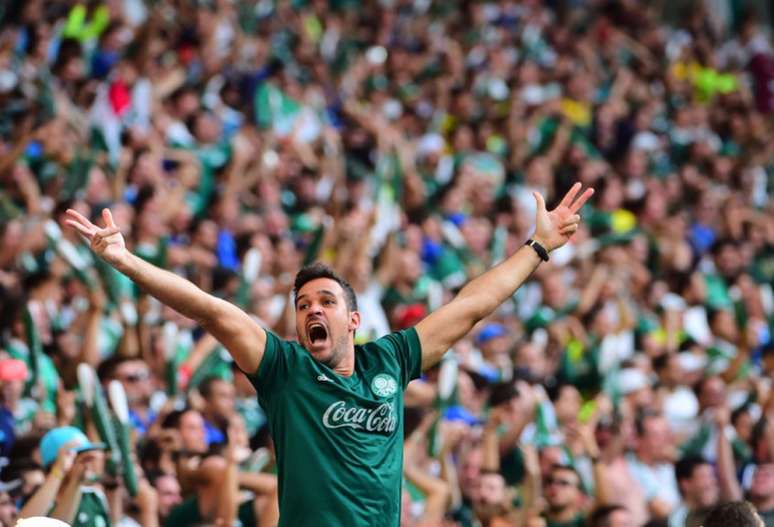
(541, 204)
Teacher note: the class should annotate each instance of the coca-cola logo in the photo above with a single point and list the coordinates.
(378, 419)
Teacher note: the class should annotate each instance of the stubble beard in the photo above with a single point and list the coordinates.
(338, 352)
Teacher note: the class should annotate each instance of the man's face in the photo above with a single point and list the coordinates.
(491, 489)
(8, 512)
(561, 489)
(470, 474)
(11, 390)
(702, 487)
(135, 378)
(192, 433)
(221, 399)
(93, 462)
(168, 490)
(713, 393)
(568, 404)
(657, 442)
(762, 486)
(324, 323)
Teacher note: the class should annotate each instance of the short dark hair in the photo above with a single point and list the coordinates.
(320, 270)
(567, 468)
(685, 467)
(733, 513)
(205, 387)
(502, 393)
(172, 420)
(600, 517)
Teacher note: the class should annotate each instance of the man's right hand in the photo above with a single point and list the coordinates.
(107, 243)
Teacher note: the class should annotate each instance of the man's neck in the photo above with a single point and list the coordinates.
(645, 459)
(562, 515)
(11, 404)
(346, 367)
(140, 409)
(346, 364)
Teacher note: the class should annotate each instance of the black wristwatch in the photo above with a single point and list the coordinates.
(539, 249)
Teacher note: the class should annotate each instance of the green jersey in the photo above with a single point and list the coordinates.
(92, 510)
(339, 440)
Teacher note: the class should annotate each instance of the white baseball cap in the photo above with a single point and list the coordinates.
(40, 521)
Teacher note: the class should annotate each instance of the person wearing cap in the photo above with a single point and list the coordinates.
(71, 491)
(493, 343)
(13, 375)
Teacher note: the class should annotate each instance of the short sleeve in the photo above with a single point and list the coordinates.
(408, 352)
(273, 370)
(645, 479)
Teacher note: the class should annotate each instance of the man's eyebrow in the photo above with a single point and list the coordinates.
(321, 291)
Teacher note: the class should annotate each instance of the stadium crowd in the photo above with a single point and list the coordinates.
(629, 382)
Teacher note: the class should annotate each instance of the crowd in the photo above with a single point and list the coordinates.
(628, 383)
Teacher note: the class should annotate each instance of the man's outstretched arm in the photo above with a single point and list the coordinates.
(482, 295)
(243, 337)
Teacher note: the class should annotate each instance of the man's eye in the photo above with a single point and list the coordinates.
(327, 302)
(302, 307)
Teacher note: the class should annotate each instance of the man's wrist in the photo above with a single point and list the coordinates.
(539, 248)
(542, 242)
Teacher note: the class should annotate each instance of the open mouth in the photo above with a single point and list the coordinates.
(317, 332)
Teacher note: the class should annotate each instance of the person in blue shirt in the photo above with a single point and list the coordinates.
(219, 399)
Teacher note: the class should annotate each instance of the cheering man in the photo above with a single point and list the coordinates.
(335, 410)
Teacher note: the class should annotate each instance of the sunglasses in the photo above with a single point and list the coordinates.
(560, 482)
(135, 377)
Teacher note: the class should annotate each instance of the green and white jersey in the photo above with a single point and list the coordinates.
(339, 440)
(93, 510)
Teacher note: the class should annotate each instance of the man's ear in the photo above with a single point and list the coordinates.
(354, 320)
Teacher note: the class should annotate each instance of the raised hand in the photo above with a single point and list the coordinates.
(107, 243)
(554, 228)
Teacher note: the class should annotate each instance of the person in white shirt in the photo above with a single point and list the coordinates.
(650, 464)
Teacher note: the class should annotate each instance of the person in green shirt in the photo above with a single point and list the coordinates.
(563, 496)
(336, 409)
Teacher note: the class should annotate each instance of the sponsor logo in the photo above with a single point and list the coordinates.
(384, 385)
(323, 378)
(379, 419)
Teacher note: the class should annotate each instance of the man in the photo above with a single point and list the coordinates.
(651, 464)
(761, 492)
(219, 398)
(563, 495)
(329, 405)
(700, 486)
(492, 507)
(13, 375)
(169, 493)
(71, 491)
(134, 375)
(191, 434)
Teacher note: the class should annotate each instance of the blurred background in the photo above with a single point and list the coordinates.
(629, 382)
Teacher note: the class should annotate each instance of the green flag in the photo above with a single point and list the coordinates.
(121, 428)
